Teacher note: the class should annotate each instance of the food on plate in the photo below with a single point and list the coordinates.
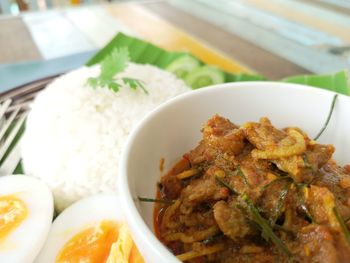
(255, 193)
(90, 230)
(75, 133)
(26, 211)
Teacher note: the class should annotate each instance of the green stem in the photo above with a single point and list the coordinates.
(301, 200)
(328, 117)
(240, 172)
(155, 200)
(280, 202)
(229, 187)
(342, 224)
(275, 181)
(267, 232)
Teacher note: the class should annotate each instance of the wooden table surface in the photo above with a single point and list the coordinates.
(268, 37)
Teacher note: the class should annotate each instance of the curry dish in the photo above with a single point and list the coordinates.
(255, 193)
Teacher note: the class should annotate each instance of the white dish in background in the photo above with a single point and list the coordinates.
(174, 128)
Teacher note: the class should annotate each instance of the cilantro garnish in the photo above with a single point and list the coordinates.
(115, 63)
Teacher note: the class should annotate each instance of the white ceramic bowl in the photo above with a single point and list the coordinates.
(174, 128)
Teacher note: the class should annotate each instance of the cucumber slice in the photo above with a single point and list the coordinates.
(182, 66)
(205, 76)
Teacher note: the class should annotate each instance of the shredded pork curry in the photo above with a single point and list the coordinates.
(255, 193)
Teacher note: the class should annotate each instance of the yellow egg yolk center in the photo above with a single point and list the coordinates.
(90, 245)
(12, 212)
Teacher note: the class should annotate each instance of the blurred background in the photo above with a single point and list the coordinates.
(275, 38)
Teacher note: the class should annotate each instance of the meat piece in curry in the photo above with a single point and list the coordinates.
(255, 193)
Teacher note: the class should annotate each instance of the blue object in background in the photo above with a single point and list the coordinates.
(13, 75)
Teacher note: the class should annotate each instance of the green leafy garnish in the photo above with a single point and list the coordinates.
(285, 230)
(266, 231)
(212, 239)
(342, 224)
(275, 227)
(301, 200)
(155, 200)
(240, 173)
(328, 117)
(223, 183)
(112, 64)
(282, 178)
(280, 202)
(134, 84)
(306, 162)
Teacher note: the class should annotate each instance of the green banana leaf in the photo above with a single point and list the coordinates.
(144, 52)
(140, 52)
(337, 82)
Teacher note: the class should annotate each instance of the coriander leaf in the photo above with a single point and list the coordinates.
(134, 84)
(114, 63)
(113, 86)
(130, 82)
(93, 82)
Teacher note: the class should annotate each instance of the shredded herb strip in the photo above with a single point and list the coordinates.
(342, 224)
(281, 228)
(301, 200)
(115, 63)
(155, 200)
(229, 187)
(275, 227)
(240, 172)
(212, 239)
(328, 117)
(280, 202)
(275, 181)
(267, 232)
(306, 162)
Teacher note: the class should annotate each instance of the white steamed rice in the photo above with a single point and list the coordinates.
(75, 134)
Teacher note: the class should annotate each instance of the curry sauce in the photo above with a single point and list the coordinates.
(255, 193)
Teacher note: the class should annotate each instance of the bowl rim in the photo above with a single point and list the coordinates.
(137, 225)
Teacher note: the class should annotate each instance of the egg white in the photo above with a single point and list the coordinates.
(76, 218)
(23, 244)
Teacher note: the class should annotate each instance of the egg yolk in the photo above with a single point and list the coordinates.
(12, 212)
(90, 245)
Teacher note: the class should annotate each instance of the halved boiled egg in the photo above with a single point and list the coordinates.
(26, 211)
(91, 230)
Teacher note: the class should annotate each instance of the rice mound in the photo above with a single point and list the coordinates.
(75, 134)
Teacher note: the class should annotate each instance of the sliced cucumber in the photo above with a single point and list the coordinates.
(205, 76)
(183, 65)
